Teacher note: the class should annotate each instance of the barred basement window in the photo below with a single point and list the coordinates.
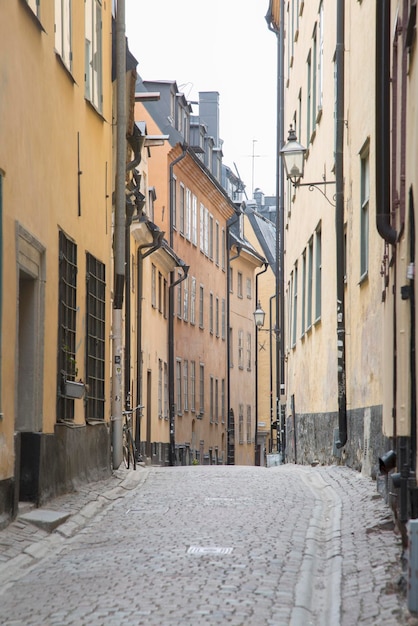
(95, 344)
(67, 313)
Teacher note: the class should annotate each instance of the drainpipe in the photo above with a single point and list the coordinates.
(279, 31)
(256, 369)
(339, 226)
(152, 247)
(230, 447)
(171, 368)
(273, 297)
(119, 237)
(172, 448)
(382, 100)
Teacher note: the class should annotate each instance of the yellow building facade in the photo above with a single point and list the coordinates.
(56, 204)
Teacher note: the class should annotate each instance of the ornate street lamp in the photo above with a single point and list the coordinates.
(259, 316)
(293, 157)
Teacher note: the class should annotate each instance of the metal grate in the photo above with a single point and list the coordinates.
(95, 344)
(67, 311)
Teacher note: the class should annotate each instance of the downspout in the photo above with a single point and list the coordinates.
(152, 247)
(119, 237)
(382, 101)
(273, 297)
(256, 455)
(230, 449)
(172, 448)
(339, 226)
(279, 31)
(171, 368)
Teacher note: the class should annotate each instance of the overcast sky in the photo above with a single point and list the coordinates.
(217, 45)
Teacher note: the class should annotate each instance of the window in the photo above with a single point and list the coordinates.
(223, 399)
(314, 76)
(174, 209)
(202, 388)
(309, 285)
(179, 296)
(248, 351)
(303, 285)
(181, 225)
(318, 270)
(241, 424)
(165, 390)
(194, 220)
(186, 385)
(364, 215)
(217, 316)
(231, 280)
(153, 286)
(210, 236)
(308, 99)
(93, 53)
(223, 252)
(295, 304)
(241, 349)
(186, 299)
(249, 288)
(217, 243)
(216, 400)
(320, 56)
(202, 228)
(192, 385)
(96, 337)
(206, 242)
(160, 292)
(178, 386)
(211, 313)
(239, 284)
(160, 388)
(249, 424)
(193, 301)
(211, 402)
(223, 321)
(35, 6)
(67, 313)
(201, 300)
(63, 31)
(188, 214)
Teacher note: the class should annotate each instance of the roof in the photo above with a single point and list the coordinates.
(265, 231)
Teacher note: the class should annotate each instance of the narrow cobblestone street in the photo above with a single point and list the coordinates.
(244, 546)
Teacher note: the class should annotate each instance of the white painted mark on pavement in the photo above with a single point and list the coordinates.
(205, 550)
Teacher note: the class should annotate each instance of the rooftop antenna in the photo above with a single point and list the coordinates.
(241, 186)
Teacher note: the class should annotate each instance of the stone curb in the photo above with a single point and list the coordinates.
(13, 569)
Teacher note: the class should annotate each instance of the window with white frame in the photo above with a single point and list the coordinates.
(153, 286)
(192, 385)
(239, 284)
(160, 388)
(174, 205)
(194, 220)
(248, 351)
(309, 285)
(201, 302)
(318, 271)
(217, 316)
(308, 98)
(211, 313)
(193, 301)
(181, 209)
(179, 296)
(364, 208)
(93, 53)
(217, 242)
(188, 213)
(249, 291)
(241, 424)
(186, 299)
(202, 388)
(295, 304)
(202, 228)
(179, 386)
(241, 349)
(210, 237)
(249, 424)
(206, 244)
(35, 5)
(223, 250)
(63, 25)
(186, 385)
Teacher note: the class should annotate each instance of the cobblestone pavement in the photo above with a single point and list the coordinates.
(213, 545)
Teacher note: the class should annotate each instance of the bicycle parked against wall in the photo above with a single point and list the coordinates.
(130, 453)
